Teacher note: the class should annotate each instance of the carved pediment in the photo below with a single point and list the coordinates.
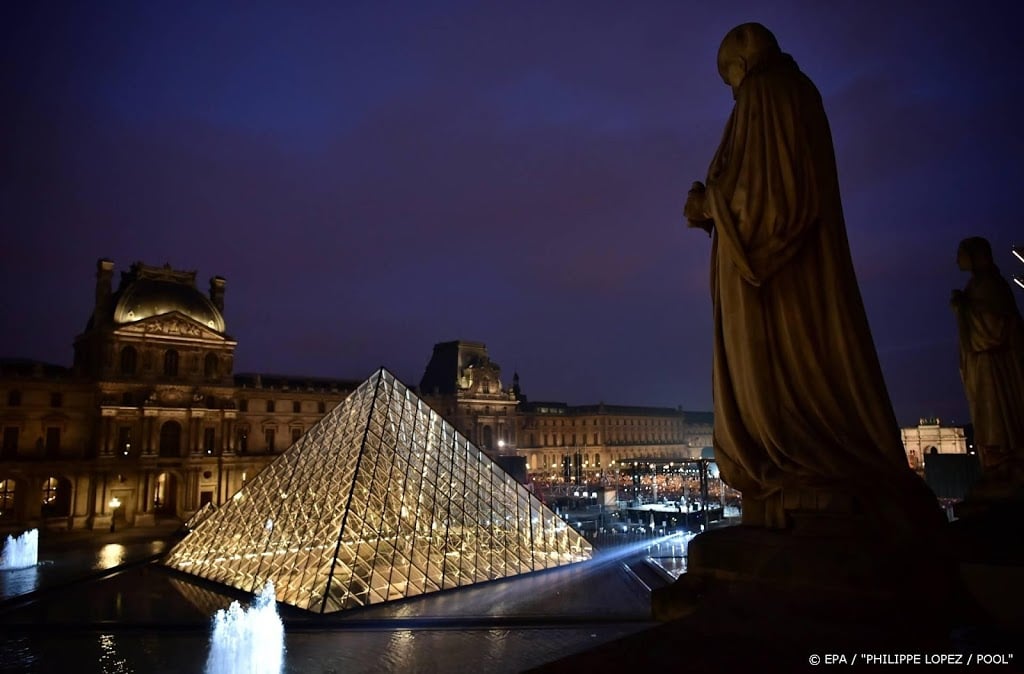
(174, 324)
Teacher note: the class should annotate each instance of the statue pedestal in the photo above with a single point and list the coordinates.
(825, 565)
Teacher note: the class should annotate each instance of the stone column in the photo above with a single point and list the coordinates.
(227, 439)
(144, 516)
(150, 431)
(102, 517)
(105, 432)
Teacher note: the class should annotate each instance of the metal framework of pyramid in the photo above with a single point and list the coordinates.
(380, 500)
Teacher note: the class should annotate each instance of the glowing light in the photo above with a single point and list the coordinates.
(110, 555)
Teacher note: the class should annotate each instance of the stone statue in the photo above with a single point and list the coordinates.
(991, 360)
(803, 422)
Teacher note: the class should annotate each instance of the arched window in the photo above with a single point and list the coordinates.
(56, 497)
(171, 363)
(170, 439)
(7, 498)
(210, 366)
(50, 491)
(165, 494)
(128, 360)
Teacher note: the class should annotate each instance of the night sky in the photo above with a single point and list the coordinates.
(372, 178)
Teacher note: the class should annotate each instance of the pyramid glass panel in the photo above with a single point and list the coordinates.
(381, 500)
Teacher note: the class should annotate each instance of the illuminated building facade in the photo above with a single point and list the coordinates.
(464, 384)
(931, 437)
(380, 500)
(152, 414)
(581, 443)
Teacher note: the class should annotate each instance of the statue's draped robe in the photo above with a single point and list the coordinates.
(992, 366)
(800, 402)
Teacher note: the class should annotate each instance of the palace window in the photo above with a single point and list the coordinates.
(321, 407)
(14, 398)
(208, 440)
(6, 498)
(243, 405)
(128, 360)
(210, 369)
(50, 491)
(269, 435)
(296, 434)
(56, 399)
(296, 406)
(170, 439)
(10, 446)
(171, 363)
(270, 405)
(52, 440)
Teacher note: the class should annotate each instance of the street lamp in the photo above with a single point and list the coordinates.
(114, 504)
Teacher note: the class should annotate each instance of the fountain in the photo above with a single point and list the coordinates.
(248, 640)
(20, 552)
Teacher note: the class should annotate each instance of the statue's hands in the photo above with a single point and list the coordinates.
(695, 209)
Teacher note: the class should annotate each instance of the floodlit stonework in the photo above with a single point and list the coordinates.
(931, 437)
(152, 414)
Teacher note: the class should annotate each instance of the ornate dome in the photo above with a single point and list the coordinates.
(143, 297)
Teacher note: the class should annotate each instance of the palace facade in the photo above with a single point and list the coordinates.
(152, 423)
(558, 441)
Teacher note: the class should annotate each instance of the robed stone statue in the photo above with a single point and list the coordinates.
(803, 421)
(991, 361)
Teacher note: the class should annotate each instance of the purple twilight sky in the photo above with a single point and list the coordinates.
(372, 178)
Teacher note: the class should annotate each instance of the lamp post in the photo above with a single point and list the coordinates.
(114, 504)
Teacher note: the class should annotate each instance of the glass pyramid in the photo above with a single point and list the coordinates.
(380, 500)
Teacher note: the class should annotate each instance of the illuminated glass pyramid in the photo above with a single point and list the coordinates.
(380, 500)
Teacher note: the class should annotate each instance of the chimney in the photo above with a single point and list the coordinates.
(104, 276)
(217, 284)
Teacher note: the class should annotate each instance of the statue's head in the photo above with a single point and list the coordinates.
(974, 254)
(743, 48)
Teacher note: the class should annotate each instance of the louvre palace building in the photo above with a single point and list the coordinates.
(151, 422)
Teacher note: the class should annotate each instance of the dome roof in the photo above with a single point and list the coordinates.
(145, 297)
